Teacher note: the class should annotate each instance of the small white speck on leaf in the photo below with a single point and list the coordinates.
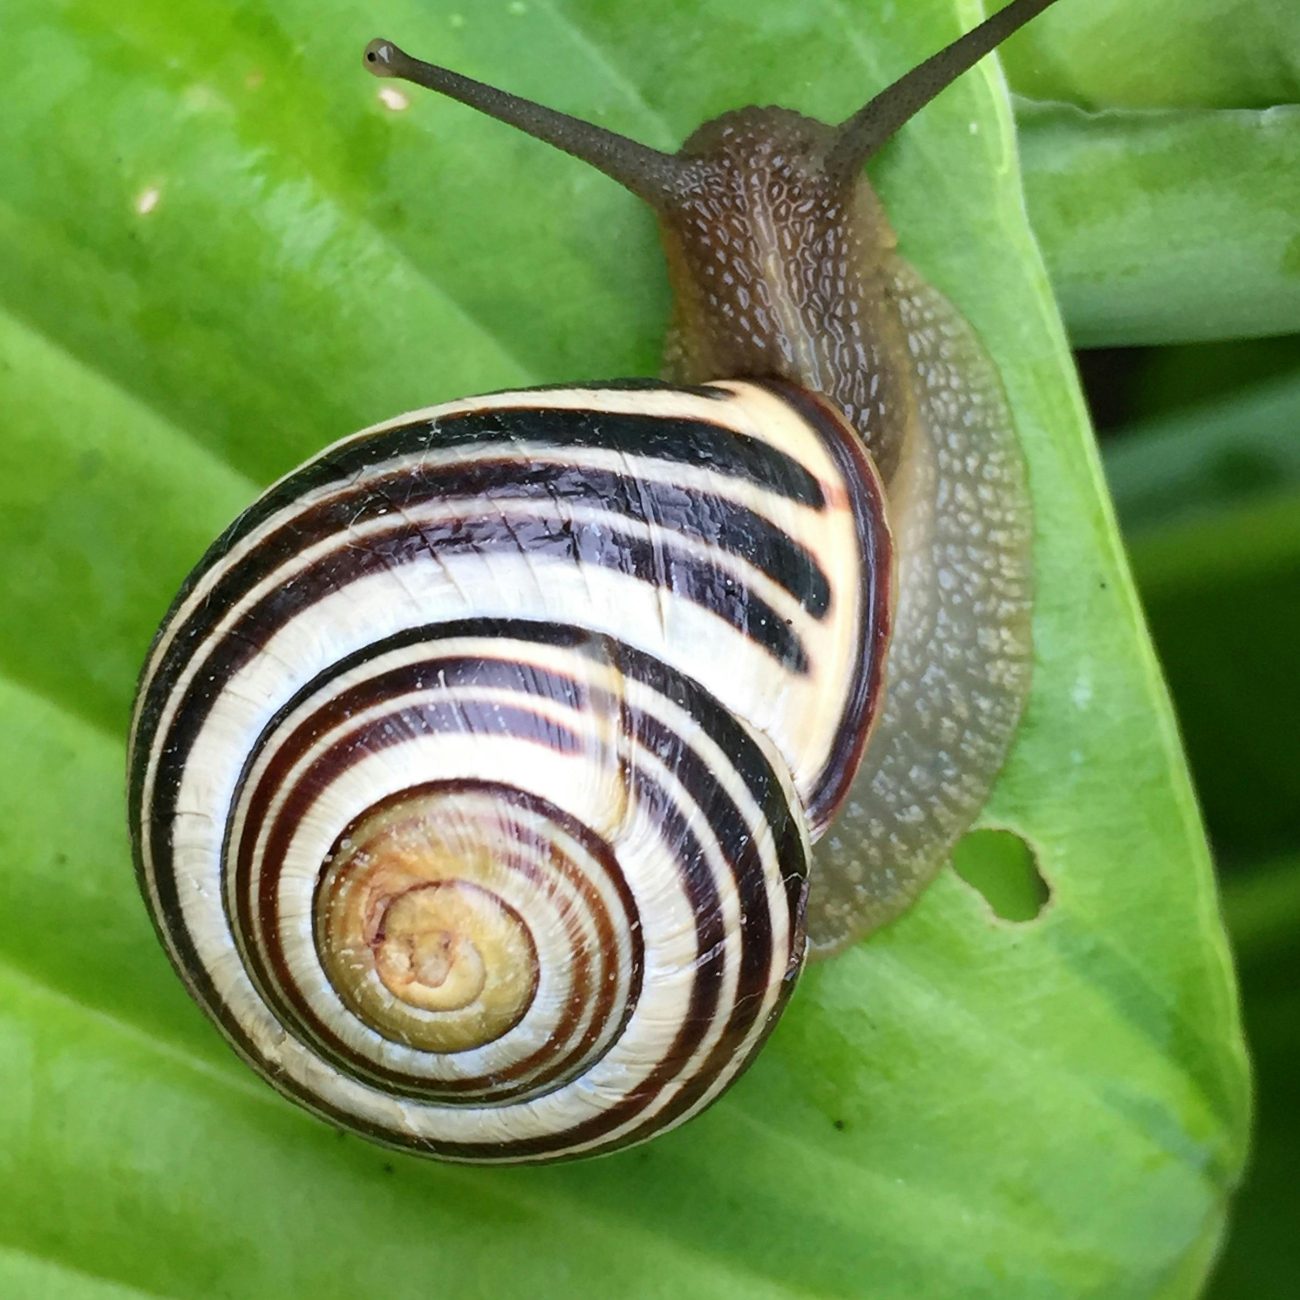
(974, 128)
(1081, 692)
(393, 99)
(457, 21)
(199, 98)
(147, 200)
(517, 7)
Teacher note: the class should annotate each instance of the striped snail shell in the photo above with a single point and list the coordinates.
(474, 770)
(511, 709)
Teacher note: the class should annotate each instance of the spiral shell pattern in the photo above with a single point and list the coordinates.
(474, 768)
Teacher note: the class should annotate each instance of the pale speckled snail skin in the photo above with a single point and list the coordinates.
(475, 769)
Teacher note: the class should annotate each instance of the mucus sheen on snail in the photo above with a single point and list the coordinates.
(476, 770)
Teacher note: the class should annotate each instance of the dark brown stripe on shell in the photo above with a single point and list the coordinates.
(261, 914)
(751, 765)
(540, 429)
(657, 565)
(875, 545)
(494, 486)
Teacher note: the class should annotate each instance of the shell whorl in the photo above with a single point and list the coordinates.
(474, 769)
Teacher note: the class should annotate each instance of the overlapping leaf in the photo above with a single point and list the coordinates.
(1163, 226)
(1160, 54)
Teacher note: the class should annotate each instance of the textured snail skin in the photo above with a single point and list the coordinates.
(779, 268)
(470, 767)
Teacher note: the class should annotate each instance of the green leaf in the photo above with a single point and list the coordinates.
(1166, 226)
(1160, 54)
(219, 249)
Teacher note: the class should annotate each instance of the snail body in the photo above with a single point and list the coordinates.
(475, 771)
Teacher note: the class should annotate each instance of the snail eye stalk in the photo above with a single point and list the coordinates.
(860, 136)
(648, 173)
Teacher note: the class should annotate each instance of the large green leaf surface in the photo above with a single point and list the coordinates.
(220, 248)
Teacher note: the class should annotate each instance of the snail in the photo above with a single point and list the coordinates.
(475, 770)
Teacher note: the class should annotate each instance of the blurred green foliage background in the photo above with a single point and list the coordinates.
(1202, 451)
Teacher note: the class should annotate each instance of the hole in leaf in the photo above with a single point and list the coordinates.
(1001, 866)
